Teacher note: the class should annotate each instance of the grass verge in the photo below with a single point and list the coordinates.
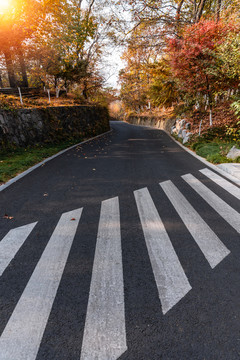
(15, 161)
(214, 151)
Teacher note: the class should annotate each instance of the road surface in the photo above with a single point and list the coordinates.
(125, 247)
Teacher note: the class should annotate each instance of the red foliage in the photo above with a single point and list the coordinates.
(193, 57)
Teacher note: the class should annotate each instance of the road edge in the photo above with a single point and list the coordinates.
(207, 163)
(32, 168)
(203, 160)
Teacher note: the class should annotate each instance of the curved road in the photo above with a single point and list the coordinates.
(125, 247)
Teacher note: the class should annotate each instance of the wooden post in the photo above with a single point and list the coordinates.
(20, 94)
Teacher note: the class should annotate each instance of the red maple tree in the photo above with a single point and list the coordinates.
(195, 62)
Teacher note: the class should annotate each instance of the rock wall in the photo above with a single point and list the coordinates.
(51, 125)
(153, 121)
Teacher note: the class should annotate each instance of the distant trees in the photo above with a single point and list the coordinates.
(193, 48)
(163, 90)
(137, 76)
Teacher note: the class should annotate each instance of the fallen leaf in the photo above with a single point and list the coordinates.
(73, 219)
(7, 217)
(45, 194)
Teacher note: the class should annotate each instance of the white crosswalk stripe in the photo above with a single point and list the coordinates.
(105, 334)
(105, 330)
(213, 249)
(22, 335)
(11, 243)
(232, 189)
(220, 206)
(170, 278)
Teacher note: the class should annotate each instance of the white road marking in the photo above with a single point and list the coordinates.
(11, 243)
(105, 334)
(23, 333)
(213, 249)
(220, 206)
(170, 278)
(232, 189)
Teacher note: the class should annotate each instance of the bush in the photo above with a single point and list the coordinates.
(236, 107)
(226, 133)
(214, 132)
(233, 132)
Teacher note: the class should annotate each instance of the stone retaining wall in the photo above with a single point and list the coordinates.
(153, 121)
(51, 125)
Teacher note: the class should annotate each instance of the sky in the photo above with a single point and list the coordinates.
(113, 65)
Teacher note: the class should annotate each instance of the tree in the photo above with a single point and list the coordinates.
(16, 25)
(137, 76)
(52, 49)
(195, 62)
(228, 52)
(164, 88)
(67, 48)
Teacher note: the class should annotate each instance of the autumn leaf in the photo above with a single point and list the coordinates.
(8, 217)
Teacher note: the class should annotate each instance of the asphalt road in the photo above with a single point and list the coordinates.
(120, 248)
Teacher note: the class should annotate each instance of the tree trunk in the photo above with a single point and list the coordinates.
(200, 127)
(10, 68)
(85, 90)
(178, 14)
(89, 10)
(179, 10)
(210, 107)
(22, 66)
(200, 10)
(210, 115)
(195, 9)
(210, 100)
(218, 11)
(1, 82)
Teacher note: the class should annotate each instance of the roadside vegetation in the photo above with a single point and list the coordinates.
(215, 141)
(183, 57)
(215, 151)
(14, 161)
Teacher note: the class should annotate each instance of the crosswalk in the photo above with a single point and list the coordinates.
(105, 335)
(22, 336)
(212, 248)
(171, 280)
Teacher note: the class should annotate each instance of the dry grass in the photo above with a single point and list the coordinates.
(8, 102)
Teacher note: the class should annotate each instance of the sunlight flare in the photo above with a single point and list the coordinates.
(4, 5)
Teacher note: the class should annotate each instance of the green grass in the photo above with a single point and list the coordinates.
(15, 161)
(214, 151)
